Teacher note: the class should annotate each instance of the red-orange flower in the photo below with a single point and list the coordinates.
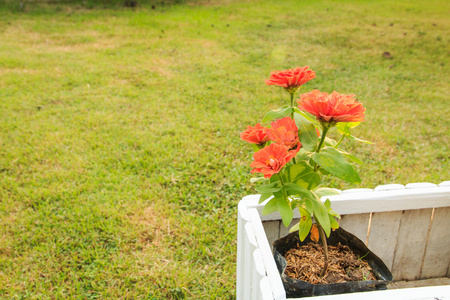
(291, 79)
(285, 132)
(255, 135)
(332, 108)
(270, 160)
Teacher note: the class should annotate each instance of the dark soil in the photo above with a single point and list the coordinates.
(306, 262)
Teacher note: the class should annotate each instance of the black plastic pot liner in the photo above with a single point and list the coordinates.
(299, 288)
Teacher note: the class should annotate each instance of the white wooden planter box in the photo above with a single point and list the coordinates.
(408, 227)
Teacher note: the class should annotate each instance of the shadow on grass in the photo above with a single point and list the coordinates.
(55, 6)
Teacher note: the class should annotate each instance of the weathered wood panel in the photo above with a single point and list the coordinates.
(437, 254)
(356, 224)
(272, 229)
(383, 235)
(285, 230)
(411, 244)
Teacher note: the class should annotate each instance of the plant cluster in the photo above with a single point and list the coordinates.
(294, 152)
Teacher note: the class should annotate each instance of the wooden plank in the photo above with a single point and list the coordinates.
(272, 229)
(269, 263)
(437, 254)
(379, 201)
(383, 235)
(411, 244)
(265, 289)
(356, 224)
(250, 246)
(240, 260)
(258, 273)
(421, 293)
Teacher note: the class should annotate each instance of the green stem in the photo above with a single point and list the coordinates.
(322, 139)
(325, 249)
(292, 105)
(292, 116)
(324, 133)
(282, 187)
(340, 141)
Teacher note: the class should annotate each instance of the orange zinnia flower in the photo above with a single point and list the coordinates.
(291, 79)
(270, 160)
(285, 132)
(332, 108)
(255, 135)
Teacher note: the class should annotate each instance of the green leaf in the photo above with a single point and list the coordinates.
(307, 133)
(304, 203)
(264, 197)
(270, 207)
(332, 161)
(294, 189)
(301, 174)
(255, 148)
(274, 178)
(285, 211)
(270, 188)
(253, 180)
(324, 191)
(334, 214)
(323, 171)
(304, 224)
(359, 140)
(305, 115)
(344, 127)
(351, 157)
(294, 228)
(327, 204)
(333, 223)
(321, 215)
(330, 142)
(277, 114)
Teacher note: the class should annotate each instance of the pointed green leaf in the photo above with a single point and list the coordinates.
(305, 115)
(294, 228)
(269, 188)
(327, 204)
(351, 157)
(324, 191)
(253, 180)
(333, 223)
(304, 224)
(285, 211)
(332, 161)
(302, 174)
(330, 142)
(359, 140)
(277, 114)
(270, 207)
(255, 148)
(344, 127)
(264, 197)
(321, 215)
(294, 189)
(306, 132)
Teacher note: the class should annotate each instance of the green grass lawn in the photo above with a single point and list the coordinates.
(120, 162)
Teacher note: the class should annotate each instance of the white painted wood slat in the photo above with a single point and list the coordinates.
(250, 246)
(272, 272)
(258, 273)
